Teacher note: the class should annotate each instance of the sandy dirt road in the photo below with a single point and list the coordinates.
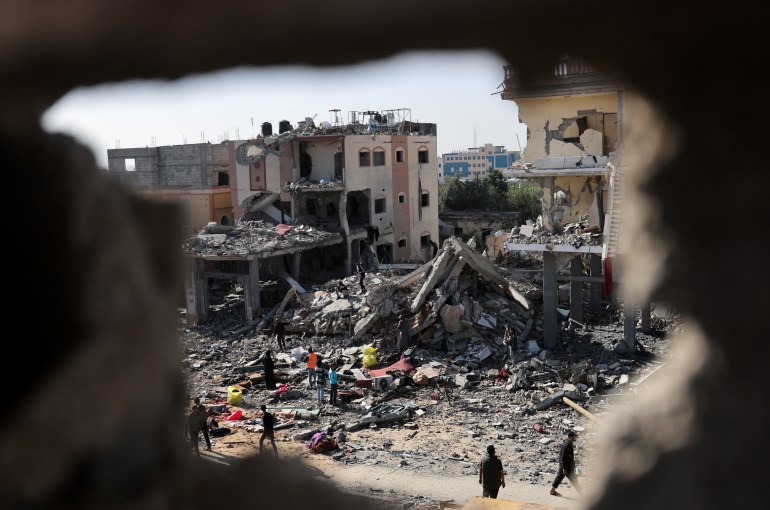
(418, 489)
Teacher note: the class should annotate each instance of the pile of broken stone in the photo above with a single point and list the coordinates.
(455, 383)
(574, 234)
(254, 237)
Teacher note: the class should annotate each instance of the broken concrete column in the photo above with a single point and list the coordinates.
(196, 292)
(296, 259)
(596, 288)
(576, 290)
(363, 325)
(549, 300)
(251, 290)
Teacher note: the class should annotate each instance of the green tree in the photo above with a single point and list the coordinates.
(526, 199)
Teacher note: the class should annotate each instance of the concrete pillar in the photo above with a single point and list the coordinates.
(596, 288)
(251, 290)
(629, 322)
(196, 292)
(550, 289)
(576, 290)
(295, 262)
(646, 315)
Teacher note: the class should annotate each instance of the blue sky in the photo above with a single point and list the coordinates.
(455, 90)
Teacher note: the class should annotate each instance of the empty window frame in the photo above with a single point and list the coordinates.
(424, 199)
(425, 241)
(379, 206)
(401, 198)
(399, 155)
(130, 164)
(402, 243)
(422, 156)
(223, 179)
(364, 158)
(378, 157)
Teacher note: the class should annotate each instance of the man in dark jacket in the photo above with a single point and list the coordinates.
(268, 422)
(566, 465)
(491, 474)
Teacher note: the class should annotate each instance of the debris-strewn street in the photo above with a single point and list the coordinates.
(455, 390)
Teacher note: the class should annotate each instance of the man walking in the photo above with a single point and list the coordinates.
(491, 474)
(566, 464)
(268, 422)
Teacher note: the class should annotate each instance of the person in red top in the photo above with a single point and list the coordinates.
(312, 362)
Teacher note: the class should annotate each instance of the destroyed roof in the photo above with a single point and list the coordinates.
(311, 185)
(574, 234)
(256, 238)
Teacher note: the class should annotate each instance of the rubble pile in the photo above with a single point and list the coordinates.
(574, 234)
(435, 405)
(254, 237)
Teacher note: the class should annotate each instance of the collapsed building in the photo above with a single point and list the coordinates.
(364, 190)
(574, 121)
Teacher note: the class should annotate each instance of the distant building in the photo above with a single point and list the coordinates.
(440, 170)
(478, 161)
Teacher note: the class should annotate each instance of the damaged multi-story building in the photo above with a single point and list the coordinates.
(193, 175)
(574, 119)
(365, 189)
(373, 179)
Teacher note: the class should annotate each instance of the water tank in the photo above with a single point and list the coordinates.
(267, 129)
(284, 126)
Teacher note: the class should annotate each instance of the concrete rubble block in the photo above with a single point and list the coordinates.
(486, 352)
(526, 230)
(363, 325)
(533, 347)
(487, 321)
(450, 318)
(462, 381)
(337, 306)
(546, 440)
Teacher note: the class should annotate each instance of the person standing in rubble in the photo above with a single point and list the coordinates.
(566, 465)
(361, 272)
(312, 362)
(269, 364)
(491, 474)
(268, 422)
(196, 423)
(280, 334)
(404, 332)
(509, 340)
(320, 384)
(333, 384)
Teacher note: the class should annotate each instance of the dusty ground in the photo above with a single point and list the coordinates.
(432, 454)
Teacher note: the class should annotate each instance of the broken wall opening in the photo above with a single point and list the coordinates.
(319, 265)
(319, 208)
(357, 208)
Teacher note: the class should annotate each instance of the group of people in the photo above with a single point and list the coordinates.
(492, 474)
(317, 374)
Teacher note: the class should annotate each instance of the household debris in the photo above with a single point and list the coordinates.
(454, 383)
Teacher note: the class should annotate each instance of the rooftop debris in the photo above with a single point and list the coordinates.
(256, 237)
(574, 234)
